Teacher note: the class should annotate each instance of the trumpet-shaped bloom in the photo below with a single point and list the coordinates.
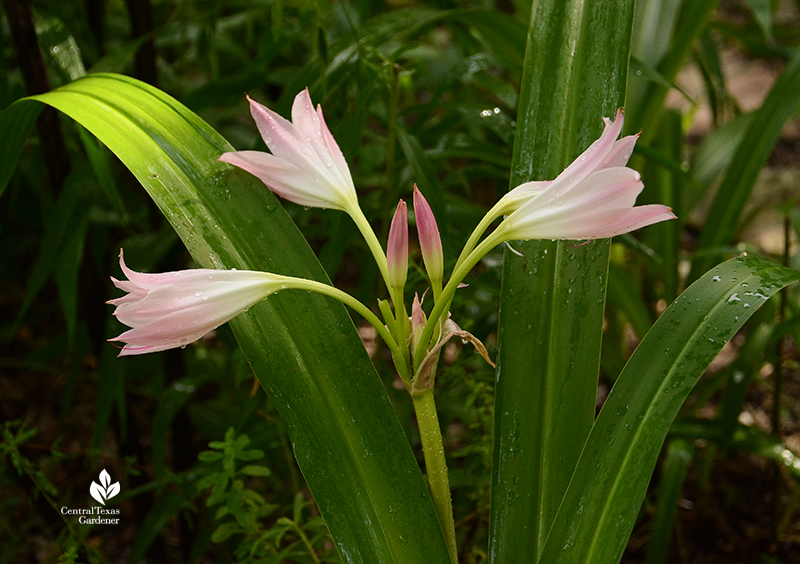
(397, 247)
(430, 241)
(173, 309)
(306, 165)
(593, 198)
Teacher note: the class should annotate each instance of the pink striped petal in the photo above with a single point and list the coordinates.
(285, 179)
(621, 152)
(594, 157)
(333, 149)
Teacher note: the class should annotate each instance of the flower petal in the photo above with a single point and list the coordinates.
(311, 128)
(621, 152)
(519, 195)
(285, 179)
(609, 223)
(596, 154)
(334, 150)
(555, 214)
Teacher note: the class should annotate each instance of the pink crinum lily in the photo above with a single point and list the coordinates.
(173, 309)
(593, 198)
(306, 165)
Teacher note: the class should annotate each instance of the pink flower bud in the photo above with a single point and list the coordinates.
(397, 248)
(429, 239)
(418, 321)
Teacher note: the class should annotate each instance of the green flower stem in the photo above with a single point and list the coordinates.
(436, 286)
(436, 467)
(402, 325)
(372, 242)
(388, 316)
(443, 304)
(484, 224)
(364, 311)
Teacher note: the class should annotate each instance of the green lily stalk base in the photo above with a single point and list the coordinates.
(433, 451)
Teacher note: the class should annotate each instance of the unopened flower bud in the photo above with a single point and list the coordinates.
(397, 248)
(429, 239)
(418, 320)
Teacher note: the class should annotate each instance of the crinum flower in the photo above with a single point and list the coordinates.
(173, 309)
(593, 198)
(306, 165)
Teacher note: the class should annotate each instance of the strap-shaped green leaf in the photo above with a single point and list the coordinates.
(303, 348)
(606, 491)
(552, 299)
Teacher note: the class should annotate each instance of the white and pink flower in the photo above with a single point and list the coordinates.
(173, 309)
(306, 165)
(593, 198)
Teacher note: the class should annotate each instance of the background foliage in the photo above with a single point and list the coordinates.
(414, 92)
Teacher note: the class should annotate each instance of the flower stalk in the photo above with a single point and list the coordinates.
(436, 466)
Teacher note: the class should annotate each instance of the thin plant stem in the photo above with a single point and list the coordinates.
(479, 230)
(372, 242)
(436, 466)
(303, 537)
(361, 309)
(401, 321)
(436, 286)
(443, 304)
